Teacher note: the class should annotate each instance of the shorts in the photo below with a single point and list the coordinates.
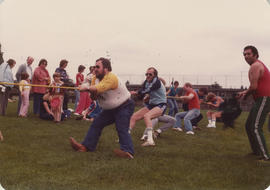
(162, 106)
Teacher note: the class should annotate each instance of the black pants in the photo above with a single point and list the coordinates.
(196, 120)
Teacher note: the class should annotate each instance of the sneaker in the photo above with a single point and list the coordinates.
(144, 138)
(71, 110)
(190, 133)
(147, 143)
(123, 154)
(177, 129)
(77, 114)
(209, 125)
(264, 160)
(156, 134)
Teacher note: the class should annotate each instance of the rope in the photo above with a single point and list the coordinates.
(39, 85)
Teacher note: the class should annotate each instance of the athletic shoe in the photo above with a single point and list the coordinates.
(147, 143)
(144, 138)
(156, 134)
(123, 154)
(190, 133)
(209, 125)
(177, 129)
(264, 160)
(77, 114)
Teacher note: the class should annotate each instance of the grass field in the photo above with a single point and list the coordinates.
(36, 155)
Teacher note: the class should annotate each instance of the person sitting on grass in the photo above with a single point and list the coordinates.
(214, 102)
(46, 112)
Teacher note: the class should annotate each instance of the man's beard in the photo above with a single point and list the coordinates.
(100, 76)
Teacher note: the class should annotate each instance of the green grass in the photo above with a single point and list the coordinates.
(36, 155)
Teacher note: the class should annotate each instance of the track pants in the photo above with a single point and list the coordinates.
(254, 125)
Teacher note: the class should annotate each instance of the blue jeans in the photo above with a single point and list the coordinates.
(173, 107)
(188, 116)
(77, 99)
(121, 117)
(37, 97)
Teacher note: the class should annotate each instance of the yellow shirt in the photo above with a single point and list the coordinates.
(22, 88)
(112, 92)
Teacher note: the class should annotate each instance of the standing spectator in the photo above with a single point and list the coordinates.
(41, 77)
(259, 77)
(5, 76)
(64, 78)
(193, 109)
(85, 100)
(79, 81)
(23, 68)
(90, 75)
(172, 103)
(57, 95)
(24, 91)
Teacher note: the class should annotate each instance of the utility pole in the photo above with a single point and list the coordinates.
(1, 55)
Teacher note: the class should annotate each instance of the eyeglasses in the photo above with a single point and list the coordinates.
(97, 67)
(148, 74)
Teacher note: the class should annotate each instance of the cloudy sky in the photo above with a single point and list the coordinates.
(200, 41)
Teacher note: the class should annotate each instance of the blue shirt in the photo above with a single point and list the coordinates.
(173, 91)
(156, 91)
(6, 74)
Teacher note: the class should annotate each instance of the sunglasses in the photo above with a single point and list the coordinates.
(148, 74)
(97, 67)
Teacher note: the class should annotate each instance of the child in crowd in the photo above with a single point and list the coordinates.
(57, 97)
(214, 102)
(25, 91)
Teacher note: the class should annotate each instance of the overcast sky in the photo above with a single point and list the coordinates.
(178, 37)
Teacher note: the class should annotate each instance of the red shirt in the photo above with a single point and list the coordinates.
(194, 103)
(81, 77)
(263, 88)
(39, 78)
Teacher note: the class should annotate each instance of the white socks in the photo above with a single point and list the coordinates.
(149, 135)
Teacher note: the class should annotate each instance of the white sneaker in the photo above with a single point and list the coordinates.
(144, 138)
(209, 125)
(76, 114)
(190, 133)
(177, 129)
(147, 143)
